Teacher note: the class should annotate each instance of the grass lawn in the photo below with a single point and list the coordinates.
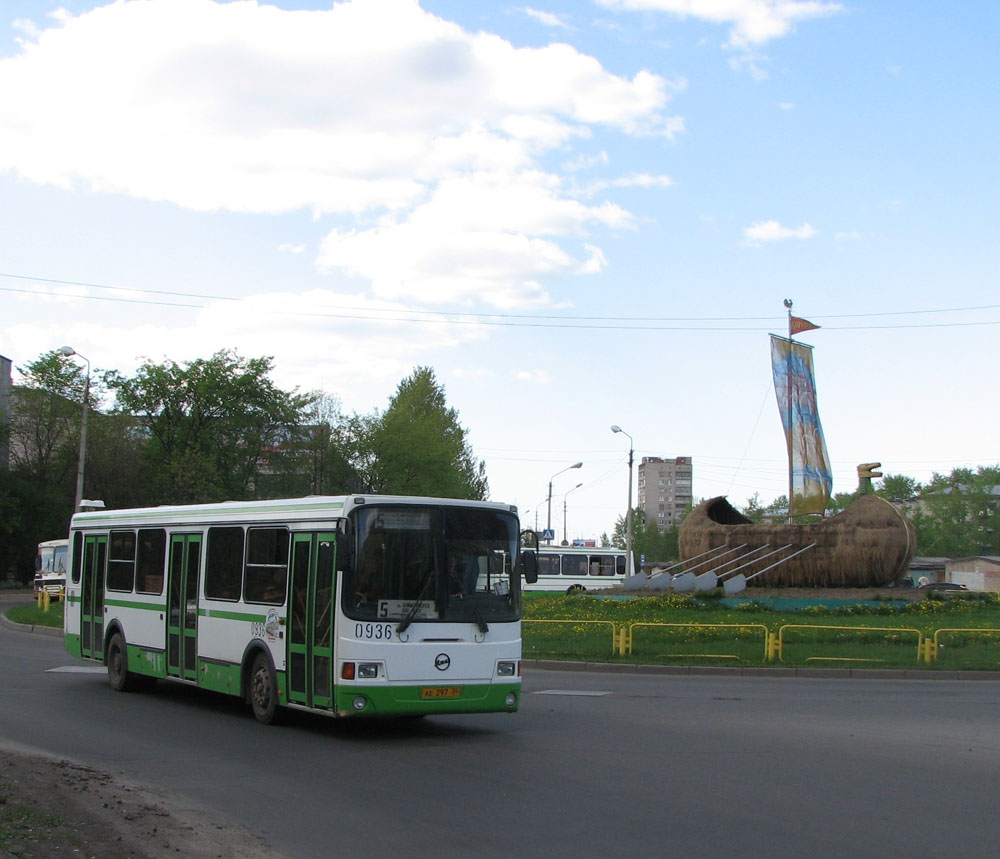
(682, 630)
(34, 616)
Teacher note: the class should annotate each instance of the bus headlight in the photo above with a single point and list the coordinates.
(506, 669)
(511, 699)
(367, 670)
(359, 702)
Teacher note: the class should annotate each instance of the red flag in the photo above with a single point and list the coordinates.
(796, 325)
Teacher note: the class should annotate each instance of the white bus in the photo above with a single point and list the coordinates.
(50, 567)
(352, 605)
(573, 568)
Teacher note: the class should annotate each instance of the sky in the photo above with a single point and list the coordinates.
(580, 214)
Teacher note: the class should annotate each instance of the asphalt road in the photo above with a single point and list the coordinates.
(593, 765)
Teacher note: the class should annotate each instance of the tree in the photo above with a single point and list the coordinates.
(754, 509)
(317, 458)
(46, 409)
(840, 501)
(898, 488)
(959, 514)
(212, 424)
(29, 513)
(45, 418)
(647, 539)
(417, 446)
(118, 468)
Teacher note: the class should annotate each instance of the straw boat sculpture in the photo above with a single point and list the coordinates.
(867, 545)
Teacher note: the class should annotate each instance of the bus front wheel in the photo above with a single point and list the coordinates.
(118, 674)
(263, 691)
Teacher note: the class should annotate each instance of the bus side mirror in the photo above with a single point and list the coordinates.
(529, 566)
(343, 544)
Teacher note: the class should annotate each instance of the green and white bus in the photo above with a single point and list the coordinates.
(580, 568)
(348, 606)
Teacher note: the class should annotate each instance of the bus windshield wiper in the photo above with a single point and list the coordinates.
(476, 613)
(404, 624)
(483, 626)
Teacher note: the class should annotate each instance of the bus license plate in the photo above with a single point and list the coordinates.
(441, 692)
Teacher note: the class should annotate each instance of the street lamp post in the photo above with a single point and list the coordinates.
(69, 351)
(548, 521)
(565, 541)
(628, 510)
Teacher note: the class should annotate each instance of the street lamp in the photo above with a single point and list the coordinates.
(69, 351)
(548, 521)
(565, 541)
(628, 510)
(535, 509)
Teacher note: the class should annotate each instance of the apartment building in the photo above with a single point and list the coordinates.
(665, 489)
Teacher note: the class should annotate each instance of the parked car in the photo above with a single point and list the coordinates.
(943, 586)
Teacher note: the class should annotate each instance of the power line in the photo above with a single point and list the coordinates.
(510, 320)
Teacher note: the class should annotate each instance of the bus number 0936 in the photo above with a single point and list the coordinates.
(375, 631)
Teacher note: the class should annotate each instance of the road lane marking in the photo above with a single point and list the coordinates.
(76, 669)
(570, 692)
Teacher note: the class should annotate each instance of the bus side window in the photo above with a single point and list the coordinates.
(548, 565)
(121, 561)
(267, 565)
(77, 555)
(150, 559)
(224, 566)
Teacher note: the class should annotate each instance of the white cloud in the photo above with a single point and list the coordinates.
(291, 247)
(585, 162)
(326, 340)
(752, 22)
(773, 231)
(547, 19)
(634, 180)
(374, 110)
(475, 236)
(852, 235)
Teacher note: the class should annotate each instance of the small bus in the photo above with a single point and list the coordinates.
(342, 605)
(574, 568)
(50, 567)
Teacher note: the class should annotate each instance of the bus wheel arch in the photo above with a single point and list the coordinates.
(576, 589)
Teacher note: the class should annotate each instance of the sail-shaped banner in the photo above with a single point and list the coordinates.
(811, 479)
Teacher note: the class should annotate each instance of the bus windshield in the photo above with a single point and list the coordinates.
(418, 564)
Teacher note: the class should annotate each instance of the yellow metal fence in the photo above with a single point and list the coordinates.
(927, 645)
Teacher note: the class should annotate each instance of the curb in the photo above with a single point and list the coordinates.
(761, 671)
(24, 627)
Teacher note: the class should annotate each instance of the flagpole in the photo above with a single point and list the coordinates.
(788, 393)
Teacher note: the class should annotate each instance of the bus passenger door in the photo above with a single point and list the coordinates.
(182, 606)
(310, 642)
(95, 551)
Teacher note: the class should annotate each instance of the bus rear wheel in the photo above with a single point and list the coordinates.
(263, 691)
